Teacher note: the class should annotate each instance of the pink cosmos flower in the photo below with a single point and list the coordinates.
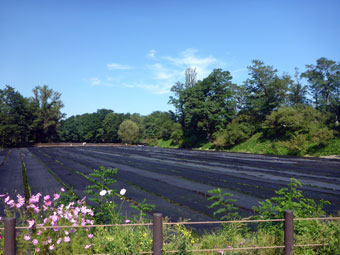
(35, 241)
(47, 197)
(67, 239)
(48, 203)
(51, 247)
(18, 205)
(11, 203)
(21, 201)
(34, 198)
(62, 189)
(30, 223)
(56, 196)
(87, 246)
(39, 232)
(127, 221)
(2, 195)
(27, 237)
(37, 249)
(90, 236)
(6, 199)
(54, 218)
(59, 241)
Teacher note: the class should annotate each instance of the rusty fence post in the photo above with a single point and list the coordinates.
(10, 236)
(157, 246)
(289, 232)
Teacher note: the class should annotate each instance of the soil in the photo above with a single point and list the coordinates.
(175, 181)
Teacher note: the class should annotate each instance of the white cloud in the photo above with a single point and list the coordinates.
(95, 81)
(189, 58)
(159, 88)
(115, 66)
(163, 73)
(152, 53)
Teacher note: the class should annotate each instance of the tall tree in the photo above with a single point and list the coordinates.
(297, 91)
(324, 84)
(15, 118)
(205, 107)
(178, 101)
(266, 90)
(190, 77)
(47, 110)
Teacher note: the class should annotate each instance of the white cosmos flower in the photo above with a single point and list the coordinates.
(122, 192)
(103, 192)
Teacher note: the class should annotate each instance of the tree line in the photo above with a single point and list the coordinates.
(301, 111)
(29, 120)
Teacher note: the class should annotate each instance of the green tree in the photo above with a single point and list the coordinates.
(297, 91)
(47, 111)
(128, 131)
(240, 129)
(111, 126)
(300, 128)
(266, 90)
(86, 127)
(206, 106)
(139, 120)
(324, 84)
(69, 130)
(15, 118)
(158, 125)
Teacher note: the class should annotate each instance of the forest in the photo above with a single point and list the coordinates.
(292, 115)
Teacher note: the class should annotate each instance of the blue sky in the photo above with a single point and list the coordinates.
(126, 55)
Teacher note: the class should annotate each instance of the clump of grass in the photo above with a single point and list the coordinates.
(167, 144)
(258, 145)
(333, 148)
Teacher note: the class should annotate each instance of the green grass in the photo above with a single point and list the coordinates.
(256, 144)
(333, 148)
(166, 144)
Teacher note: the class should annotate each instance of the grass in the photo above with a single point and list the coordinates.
(256, 144)
(166, 144)
(333, 148)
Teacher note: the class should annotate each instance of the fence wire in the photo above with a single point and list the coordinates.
(196, 223)
(176, 223)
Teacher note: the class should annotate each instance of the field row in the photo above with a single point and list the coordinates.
(175, 181)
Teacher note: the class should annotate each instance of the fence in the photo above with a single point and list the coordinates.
(10, 233)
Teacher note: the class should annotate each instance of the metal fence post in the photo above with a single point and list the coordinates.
(157, 246)
(289, 232)
(10, 236)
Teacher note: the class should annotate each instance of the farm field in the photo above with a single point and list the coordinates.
(175, 181)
